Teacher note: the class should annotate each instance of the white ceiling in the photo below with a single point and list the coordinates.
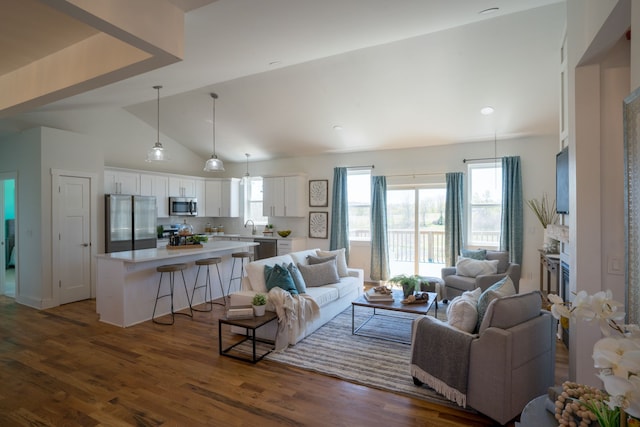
(392, 74)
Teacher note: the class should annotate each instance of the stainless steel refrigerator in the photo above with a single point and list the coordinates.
(130, 222)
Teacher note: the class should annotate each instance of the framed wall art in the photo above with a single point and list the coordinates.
(318, 225)
(318, 192)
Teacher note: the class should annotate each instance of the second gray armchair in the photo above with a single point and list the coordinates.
(456, 284)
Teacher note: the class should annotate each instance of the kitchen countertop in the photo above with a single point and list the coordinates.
(145, 255)
(255, 236)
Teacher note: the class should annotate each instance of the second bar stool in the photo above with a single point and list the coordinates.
(208, 301)
(241, 256)
(171, 269)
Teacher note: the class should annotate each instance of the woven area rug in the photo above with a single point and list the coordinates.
(333, 350)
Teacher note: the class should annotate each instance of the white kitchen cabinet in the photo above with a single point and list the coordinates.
(157, 186)
(294, 244)
(200, 196)
(121, 182)
(182, 187)
(284, 196)
(222, 197)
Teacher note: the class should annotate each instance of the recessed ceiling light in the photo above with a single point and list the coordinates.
(337, 128)
(489, 11)
(486, 110)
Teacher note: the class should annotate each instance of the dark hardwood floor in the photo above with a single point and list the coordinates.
(63, 367)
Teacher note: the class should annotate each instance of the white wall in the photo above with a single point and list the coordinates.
(598, 82)
(33, 154)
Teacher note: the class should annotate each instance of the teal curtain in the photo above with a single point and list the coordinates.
(512, 224)
(379, 239)
(340, 212)
(454, 217)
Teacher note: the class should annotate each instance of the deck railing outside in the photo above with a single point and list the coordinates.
(431, 244)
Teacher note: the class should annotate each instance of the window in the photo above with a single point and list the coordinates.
(359, 202)
(485, 205)
(253, 200)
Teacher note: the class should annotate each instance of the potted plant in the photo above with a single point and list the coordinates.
(409, 283)
(545, 211)
(259, 304)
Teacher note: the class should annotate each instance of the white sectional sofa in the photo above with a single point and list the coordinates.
(331, 298)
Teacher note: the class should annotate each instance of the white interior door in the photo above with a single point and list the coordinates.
(74, 239)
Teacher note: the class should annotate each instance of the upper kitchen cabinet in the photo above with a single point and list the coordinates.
(222, 197)
(158, 186)
(182, 187)
(201, 197)
(284, 196)
(121, 182)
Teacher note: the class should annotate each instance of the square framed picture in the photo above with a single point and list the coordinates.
(318, 225)
(318, 192)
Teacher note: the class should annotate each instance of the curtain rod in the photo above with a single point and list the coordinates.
(361, 167)
(483, 158)
(416, 174)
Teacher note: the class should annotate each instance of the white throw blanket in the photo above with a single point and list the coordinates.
(294, 312)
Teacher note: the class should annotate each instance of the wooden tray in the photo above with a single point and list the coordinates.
(196, 246)
(419, 301)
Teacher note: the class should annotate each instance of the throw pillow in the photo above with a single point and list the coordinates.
(473, 267)
(319, 274)
(278, 276)
(501, 288)
(462, 312)
(320, 259)
(502, 257)
(478, 254)
(298, 280)
(341, 260)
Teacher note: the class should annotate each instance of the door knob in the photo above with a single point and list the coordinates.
(85, 245)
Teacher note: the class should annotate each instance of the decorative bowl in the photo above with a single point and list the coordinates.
(284, 233)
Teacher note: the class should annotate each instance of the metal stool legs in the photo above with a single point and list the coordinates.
(171, 269)
(208, 301)
(242, 256)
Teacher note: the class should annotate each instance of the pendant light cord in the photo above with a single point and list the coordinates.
(214, 96)
(157, 88)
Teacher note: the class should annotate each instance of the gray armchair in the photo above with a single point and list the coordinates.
(456, 285)
(509, 362)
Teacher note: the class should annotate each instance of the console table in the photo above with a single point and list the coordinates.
(549, 264)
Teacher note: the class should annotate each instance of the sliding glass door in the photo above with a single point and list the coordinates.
(415, 220)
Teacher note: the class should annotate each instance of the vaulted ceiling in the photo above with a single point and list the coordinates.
(289, 73)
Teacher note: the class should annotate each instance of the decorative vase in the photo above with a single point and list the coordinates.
(258, 310)
(407, 289)
(550, 245)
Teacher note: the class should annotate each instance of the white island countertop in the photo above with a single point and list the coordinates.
(145, 255)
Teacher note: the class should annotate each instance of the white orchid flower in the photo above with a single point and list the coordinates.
(619, 355)
(558, 308)
(624, 393)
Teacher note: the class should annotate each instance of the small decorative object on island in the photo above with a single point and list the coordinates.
(546, 214)
(259, 304)
(617, 356)
(409, 284)
(268, 230)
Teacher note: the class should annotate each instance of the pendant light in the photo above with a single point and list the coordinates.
(157, 153)
(214, 164)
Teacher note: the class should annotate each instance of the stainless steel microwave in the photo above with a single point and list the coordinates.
(183, 206)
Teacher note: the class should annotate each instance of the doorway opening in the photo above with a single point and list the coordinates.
(8, 236)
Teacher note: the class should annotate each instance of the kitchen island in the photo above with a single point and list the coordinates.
(127, 282)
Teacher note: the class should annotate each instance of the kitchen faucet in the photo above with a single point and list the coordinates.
(253, 228)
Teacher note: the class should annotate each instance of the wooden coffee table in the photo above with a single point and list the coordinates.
(395, 305)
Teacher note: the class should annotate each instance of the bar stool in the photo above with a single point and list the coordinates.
(207, 284)
(241, 256)
(171, 270)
